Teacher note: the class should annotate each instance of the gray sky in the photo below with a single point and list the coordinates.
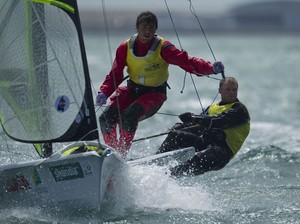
(201, 6)
(207, 8)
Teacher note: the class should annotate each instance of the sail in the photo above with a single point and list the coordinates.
(45, 90)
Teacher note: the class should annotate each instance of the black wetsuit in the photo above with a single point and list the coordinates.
(209, 139)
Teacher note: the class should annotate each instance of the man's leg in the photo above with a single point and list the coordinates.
(213, 157)
(111, 115)
(128, 127)
(142, 108)
(177, 139)
(108, 121)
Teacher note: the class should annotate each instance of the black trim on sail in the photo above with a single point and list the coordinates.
(88, 126)
(16, 75)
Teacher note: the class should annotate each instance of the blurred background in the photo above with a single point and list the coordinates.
(258, 41)
(217, 15)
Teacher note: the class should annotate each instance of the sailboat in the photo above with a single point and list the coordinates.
(46, 98)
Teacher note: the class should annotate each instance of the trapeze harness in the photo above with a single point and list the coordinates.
(148, 73)
(235, 136)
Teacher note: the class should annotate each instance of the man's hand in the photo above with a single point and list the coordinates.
(187, 117)
(203, 120)
(218, 67)
(178, 126)
(101, 99)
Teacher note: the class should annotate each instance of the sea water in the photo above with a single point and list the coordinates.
(260, 185)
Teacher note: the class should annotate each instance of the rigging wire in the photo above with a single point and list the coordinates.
(193, 12)
(111, 58)
(107, 30)
(175, 30)
(184, 79)
(192, 9)
(173, 24)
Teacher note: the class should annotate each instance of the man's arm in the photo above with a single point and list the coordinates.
(174, 56)
(115, 77)
(236, 116)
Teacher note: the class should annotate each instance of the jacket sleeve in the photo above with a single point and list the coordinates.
(194, 65)
(236, 116)
(115, 77)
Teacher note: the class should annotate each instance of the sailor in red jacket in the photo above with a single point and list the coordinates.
(147, 57)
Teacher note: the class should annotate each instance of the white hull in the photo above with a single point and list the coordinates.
(79, 180)
(46, 96)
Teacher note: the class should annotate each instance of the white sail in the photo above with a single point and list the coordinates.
(45, 89)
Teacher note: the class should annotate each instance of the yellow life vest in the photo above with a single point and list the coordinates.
(82, 148)
(235, 136)
(150, 70)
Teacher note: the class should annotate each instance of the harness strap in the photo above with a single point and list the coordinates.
(152, 48)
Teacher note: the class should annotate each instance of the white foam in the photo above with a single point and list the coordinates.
(151, 187)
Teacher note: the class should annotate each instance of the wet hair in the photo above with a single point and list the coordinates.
(146, 17)
(230, 79)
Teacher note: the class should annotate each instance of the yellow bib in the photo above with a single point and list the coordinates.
(149, 70)
(235, 136)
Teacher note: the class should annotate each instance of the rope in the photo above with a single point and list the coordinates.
(173, 24)
(111, 60)
(176, 33)
(165, 133)
(184, 79)
(175, 30)
(198, 20)
(107, 30)
(209, 46)
(192, 9)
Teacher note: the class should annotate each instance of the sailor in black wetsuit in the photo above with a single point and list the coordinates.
(217, 134)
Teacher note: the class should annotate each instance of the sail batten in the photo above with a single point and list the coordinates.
(45, 84)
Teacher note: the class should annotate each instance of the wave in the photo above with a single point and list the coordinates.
(271, 153)
(265, 165)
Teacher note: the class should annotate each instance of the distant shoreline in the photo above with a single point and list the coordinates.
(255, 21)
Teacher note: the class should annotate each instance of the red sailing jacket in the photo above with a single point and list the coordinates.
(169, 53)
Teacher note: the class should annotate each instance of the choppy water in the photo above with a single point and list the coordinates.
(260, 185)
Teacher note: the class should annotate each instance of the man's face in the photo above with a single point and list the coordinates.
(146, 32)
(229, 92)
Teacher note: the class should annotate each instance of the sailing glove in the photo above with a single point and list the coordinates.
(101, 99)
(177, 126)
(187, 117)
(218, 67)
(190, 118)
(202, 120)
